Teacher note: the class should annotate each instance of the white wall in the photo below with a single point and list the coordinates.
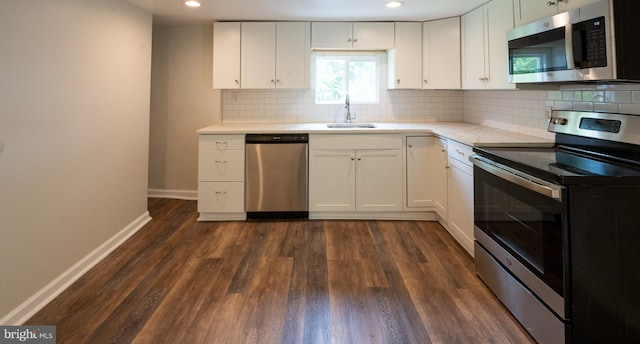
(74, 133)
(182, 101)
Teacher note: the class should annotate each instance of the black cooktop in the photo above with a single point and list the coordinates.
(563, 165)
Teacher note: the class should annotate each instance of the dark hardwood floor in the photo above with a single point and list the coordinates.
(182, 281)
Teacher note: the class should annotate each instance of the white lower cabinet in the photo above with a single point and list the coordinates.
(460, 223)
(420, 172)
(221, 177)
(355, 173)
(441, 178)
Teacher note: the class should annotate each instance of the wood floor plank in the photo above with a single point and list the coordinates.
(296, 281)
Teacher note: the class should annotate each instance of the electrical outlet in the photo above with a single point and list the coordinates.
(234, 95)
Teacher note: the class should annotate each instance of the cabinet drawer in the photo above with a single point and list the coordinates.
(460, 152)
(220, 197)
(221, 165)
(221, 142)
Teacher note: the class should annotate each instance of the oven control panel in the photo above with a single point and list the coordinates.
(599, 125)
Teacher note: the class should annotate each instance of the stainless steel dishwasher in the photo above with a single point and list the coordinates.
(276, 175)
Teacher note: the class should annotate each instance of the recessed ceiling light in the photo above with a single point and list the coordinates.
(395, 3)
(192, 3)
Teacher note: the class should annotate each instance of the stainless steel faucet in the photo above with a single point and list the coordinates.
(347, 106)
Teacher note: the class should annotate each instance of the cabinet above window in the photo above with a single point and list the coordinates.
(352, 35)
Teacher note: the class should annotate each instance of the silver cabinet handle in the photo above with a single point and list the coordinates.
(355, 40)
(220, 192)
(221, 161)
(237, 82)
(459, 152)
(349, 40)
(425, 81)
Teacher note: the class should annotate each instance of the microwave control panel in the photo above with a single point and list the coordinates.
(590, 43)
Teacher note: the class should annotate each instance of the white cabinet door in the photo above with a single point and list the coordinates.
(441, 54)
(369, 35)
(484, 46)
(527, 11)
(293, 49)
(461, 194)
(331, 35)
(405, 60)
(420, 172)
(226, 55)
(498, 20)
(348, 35)
(258, 55)
(461, 201)
(567, 5)
(275, 55)
(473, 49)
(441, 177)
(332, 180)
(379, 180)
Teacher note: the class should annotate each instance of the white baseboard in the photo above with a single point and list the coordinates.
(45, 295)
(189, 195)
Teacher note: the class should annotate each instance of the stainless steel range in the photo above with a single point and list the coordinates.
(558, 229)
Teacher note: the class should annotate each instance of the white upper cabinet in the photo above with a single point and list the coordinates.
(348, 35)
(275, 55)
(484, 46)
(441, 54)
(293, 49)
(405, 60)
(226, 55)
(527, 11)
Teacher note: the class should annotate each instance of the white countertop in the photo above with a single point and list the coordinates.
(467, 133)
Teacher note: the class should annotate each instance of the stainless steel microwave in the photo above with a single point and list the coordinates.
(598, 42)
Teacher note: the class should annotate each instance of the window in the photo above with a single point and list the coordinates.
(337, 76)
(523, 64)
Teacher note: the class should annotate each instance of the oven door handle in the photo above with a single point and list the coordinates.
(517, 177)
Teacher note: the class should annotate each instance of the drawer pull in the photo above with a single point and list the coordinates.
(221, 161)
(220, 192)
(459, 152)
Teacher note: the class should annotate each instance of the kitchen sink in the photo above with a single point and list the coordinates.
(350, 125)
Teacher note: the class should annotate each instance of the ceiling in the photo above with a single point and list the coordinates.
(175, 12)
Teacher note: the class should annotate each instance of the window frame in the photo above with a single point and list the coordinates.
(375, 99)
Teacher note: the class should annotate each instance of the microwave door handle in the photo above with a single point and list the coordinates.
(508, 174)
(568, 45)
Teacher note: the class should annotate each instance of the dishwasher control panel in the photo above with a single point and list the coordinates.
(275, 138)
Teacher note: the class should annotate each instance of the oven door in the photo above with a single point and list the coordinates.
(519, 220)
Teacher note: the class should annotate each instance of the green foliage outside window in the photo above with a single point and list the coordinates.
(338, 76)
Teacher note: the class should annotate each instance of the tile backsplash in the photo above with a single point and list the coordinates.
(523, 111)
